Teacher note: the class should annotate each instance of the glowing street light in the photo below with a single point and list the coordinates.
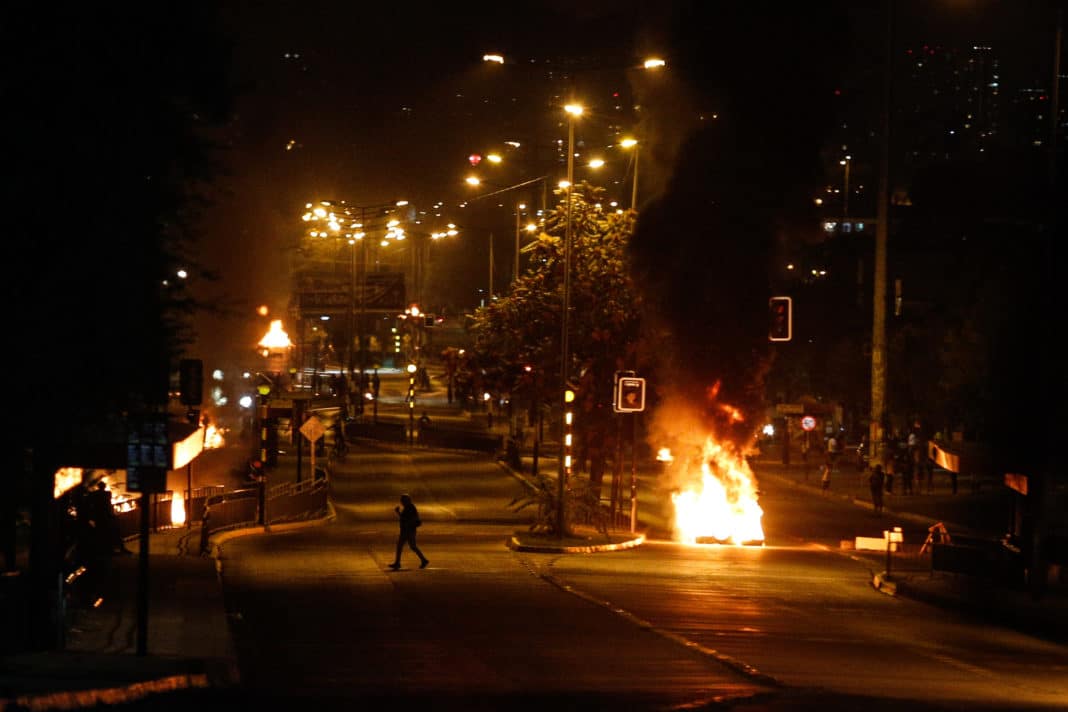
(654, 63)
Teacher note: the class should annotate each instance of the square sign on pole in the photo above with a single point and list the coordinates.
(148, 454)
(630, 395)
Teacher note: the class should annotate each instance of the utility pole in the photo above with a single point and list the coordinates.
(878, 326)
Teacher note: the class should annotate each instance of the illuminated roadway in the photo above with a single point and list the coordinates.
(317, 615)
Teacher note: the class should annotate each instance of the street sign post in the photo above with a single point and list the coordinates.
(313, 429)
(630, 395)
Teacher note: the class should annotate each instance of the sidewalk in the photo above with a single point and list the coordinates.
(188, 634)
(980, 513)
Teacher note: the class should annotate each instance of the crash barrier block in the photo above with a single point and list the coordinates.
(387, 432)
(460, 440)
(991, 561)
(873, 543)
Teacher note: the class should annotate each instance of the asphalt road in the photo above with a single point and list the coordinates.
(318, 617)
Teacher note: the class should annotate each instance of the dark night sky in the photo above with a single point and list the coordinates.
(366, 100)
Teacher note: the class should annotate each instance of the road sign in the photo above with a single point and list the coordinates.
(148, 454)
(808, 423)
(313, 428)
(630, 395)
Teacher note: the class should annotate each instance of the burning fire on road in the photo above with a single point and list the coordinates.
(719, 504)
(713, 490)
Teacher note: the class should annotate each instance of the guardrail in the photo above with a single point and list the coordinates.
(128, 514)
(460, 440)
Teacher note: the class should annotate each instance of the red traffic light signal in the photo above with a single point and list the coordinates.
(781, 324)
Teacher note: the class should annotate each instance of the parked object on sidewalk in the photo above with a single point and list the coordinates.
(825, 479)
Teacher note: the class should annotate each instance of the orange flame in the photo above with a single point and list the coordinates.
(177, 509)
(213, 437)
(720, 505)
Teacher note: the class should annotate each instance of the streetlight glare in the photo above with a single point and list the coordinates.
(472, 180)
(654, 63)
(494, 58)
(493, 158)
(564, 184)
(574, 109)
(629, 142)
(596, 163)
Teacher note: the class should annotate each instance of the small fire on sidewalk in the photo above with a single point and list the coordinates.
(177, 508)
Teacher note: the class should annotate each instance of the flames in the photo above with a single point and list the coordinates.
(213, 437)
(718, 500)
(177, 509)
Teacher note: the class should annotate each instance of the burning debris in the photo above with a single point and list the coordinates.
(714, 491)
(719, 505)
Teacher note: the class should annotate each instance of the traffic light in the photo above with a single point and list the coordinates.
(781, 324)
(630, 395)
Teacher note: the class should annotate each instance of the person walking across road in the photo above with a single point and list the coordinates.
(409, 522)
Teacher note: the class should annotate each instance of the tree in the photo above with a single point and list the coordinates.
(521, 331)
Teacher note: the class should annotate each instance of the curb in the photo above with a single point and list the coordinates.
(515, 545)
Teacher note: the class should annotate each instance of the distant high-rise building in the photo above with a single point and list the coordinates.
(947, 103)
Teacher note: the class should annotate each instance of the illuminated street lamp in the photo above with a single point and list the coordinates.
(845, 189)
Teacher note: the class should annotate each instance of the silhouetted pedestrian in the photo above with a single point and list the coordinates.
(102, 513)
(409, 522)
(875, 484)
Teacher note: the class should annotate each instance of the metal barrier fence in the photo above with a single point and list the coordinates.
(160, 515)
(220, 510)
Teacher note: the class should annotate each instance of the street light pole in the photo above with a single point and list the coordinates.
(634, 188)
(878, 335)
(515, 268)
(565, 356)
(633, 143)
(845, 188)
